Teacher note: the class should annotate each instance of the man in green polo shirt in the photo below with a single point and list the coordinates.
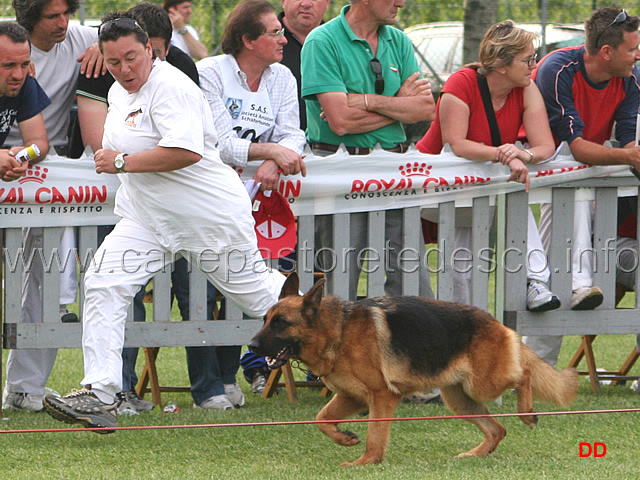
(360, 82)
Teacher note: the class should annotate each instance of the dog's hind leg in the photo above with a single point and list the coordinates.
(525, 399)
(338, 408)
(462, 404)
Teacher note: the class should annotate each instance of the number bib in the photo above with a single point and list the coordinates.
(251, 113)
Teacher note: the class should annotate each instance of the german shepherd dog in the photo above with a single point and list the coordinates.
(374, 352)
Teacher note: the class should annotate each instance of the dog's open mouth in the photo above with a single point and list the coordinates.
(280, 359)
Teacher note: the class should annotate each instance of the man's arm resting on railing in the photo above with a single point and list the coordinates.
(594, 154)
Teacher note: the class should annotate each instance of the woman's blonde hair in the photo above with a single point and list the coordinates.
(500, 45)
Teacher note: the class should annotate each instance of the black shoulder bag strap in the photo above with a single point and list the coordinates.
(488, 108)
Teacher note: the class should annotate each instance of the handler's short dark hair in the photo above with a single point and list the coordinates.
(120, 24)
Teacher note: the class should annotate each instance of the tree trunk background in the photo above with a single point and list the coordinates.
(479, 15)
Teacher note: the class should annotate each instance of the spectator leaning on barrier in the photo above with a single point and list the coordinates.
(56, 52)
(92, 112)
(21, 100)
(185, 37)
(245, 80)
(507, 57)
(161, 141)
(586, 90)
(360, 81)
(298, 18)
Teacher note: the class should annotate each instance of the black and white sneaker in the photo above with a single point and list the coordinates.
(83, 407)
(132, 400)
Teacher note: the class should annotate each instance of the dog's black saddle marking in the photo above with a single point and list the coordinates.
(429, 333)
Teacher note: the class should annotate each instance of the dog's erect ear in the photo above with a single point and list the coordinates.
(291, 286)
(312, 299)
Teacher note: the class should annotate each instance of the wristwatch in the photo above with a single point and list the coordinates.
(182, 31)
(119, 162)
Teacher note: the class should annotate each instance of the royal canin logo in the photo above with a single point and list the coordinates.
(80, 194)
(413, 175)
(34, 174)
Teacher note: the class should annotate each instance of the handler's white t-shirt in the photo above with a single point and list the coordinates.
(202, 206)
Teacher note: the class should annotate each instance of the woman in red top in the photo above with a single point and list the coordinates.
(507, 58)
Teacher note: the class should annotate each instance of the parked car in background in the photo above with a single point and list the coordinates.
(438, 46)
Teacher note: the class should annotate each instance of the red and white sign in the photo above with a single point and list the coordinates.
(60, 192)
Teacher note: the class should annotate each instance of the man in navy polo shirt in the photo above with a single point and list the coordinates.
(21, 100)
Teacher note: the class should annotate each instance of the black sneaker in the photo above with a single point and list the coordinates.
(82, 406)
(133, 400)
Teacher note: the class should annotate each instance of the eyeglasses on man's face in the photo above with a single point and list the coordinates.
(620, 18)
(376, 67)
(530, 61)
(277, 33)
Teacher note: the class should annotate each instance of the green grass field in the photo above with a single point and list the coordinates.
(418, 449)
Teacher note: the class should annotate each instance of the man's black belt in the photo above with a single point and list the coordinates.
(399, 148)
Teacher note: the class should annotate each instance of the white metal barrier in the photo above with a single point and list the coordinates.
(444, 182)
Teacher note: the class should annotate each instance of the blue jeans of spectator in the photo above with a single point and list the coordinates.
(210, 367)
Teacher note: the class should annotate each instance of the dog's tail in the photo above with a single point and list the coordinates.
(548, 384)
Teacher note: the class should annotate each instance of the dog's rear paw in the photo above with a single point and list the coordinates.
(346, 438)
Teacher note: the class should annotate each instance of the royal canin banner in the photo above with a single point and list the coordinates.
(57, 192)
(343, 183)
(61, 192)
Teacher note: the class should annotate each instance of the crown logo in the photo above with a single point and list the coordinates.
(415, 169)
(35, 174)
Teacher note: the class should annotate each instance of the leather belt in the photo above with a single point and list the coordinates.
(399, 148)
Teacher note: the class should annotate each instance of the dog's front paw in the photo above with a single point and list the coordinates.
(346, 438)
(365, 459)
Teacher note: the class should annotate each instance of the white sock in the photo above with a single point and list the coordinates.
(103, 396)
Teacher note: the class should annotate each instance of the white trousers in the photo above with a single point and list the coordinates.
(126, 260)
(548, 346)
(28, 370)
(535, 262)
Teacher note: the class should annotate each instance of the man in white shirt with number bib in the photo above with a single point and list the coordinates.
(253, 98)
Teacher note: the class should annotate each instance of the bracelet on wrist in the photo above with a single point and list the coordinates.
(530, 155)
